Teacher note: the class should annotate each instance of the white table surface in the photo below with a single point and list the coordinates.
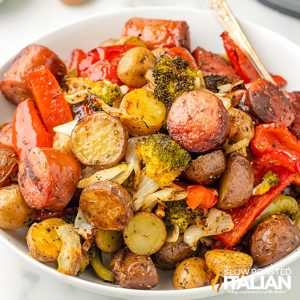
(22, 21)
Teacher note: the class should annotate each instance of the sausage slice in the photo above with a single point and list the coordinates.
(159, 33)
(198, 121)
(48, 178)
(269, 103)
(213, 64)
(14, 85)
(295, 102)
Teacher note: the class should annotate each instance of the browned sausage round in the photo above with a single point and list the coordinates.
(273, 239)
(198, 121)
(213, 64)
(269, 103)
(48, 178)
(295, 101)
(134, 271)
(8, 165)
(14, 86)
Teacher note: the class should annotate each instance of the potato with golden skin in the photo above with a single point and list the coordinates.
(191, 273)
(134, 65)
(106, 205)
(14, 212)
(43, 241)
(273, 239)
(8, 165)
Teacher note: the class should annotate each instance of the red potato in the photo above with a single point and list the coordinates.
(48, 178)
(14, 85)
(198, 121)
(213, 64)
(269, 103)
(159, 33)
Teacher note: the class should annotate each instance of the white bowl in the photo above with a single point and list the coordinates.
(279, 55)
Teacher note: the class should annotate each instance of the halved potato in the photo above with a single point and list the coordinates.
(106, 205)
(143, 114)
(14, 212)
(43, 241)
(99, 139)
(145, 233)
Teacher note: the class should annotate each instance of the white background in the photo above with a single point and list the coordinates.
(22, 21)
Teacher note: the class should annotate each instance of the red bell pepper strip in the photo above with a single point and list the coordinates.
(242, 64)
(274, 136)
(77, 57)
(102, 63)
(274, 160)
(200, 196)
(49, 99)
(27, 128)
(184, 54)
(243, 217)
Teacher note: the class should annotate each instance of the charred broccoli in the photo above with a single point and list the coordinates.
(270, 179)
(212, 82)
(178, 213)
(163, 158)
(172, 76)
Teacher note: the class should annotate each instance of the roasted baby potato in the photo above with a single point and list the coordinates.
(240, 126)
(170, 254)
(207, 168)
(131, 40)
(143, 114)
(134, 65)
(99, 139)
(43, 241)
(14, 212)
(237, 183)
(109, 240)
(62, 142)
(227, 262)
(191, 273)
(273, 239)
(145, 233)
(134, 271)
(106, 205)
(8, 165)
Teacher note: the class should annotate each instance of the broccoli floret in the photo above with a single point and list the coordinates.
(178, 213)
(172, 76)
(270, 179)
(107, 91)
(212, 82)
(163, 158)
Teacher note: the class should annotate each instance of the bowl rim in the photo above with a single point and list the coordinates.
(115, 290)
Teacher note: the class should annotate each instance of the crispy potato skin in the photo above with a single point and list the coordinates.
(236, 184)
(134, 65)
(43, 241)
(191, 273)
(14, 85)
(48, 178)
(14, 212)
(8, 165)
(273, 239)
(106, 205)
(207, 168)
(159, 33)
(173, 253)
(198, 121)
(134, 271)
